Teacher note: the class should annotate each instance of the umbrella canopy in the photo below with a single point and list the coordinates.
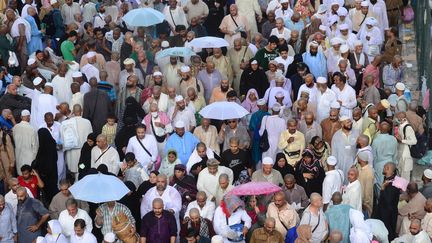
(176, 52)
(143, 17)
(99, 188)
(223, 110)
(209, 42)
(255, 188)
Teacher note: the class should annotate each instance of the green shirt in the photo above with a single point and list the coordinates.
(264, 57)
(67, 48)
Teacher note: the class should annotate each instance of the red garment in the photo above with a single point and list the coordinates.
(374, 71)
(32, 185)
(254, 215)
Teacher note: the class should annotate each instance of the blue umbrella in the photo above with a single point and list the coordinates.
(143, 17)
(176, 52)
(99, 188)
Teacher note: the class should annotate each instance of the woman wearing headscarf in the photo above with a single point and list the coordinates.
(133, 109)
(309, 174)
(185, 185)
(229, 216)
(360, 231)
(304, 233)
(146, 185)
(256, 212)
(253, 77)
(122, 138)
(282, 165)
(250, 101)
(84, 162)
(46, 163)
(54, 234)
(168, 163)
(321, 150)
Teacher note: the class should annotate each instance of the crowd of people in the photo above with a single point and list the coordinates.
(331, 122)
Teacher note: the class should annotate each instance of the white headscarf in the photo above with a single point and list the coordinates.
(360, 231)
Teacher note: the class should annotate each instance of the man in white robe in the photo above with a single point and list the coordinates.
(352, 193)
(379, 9)
(208, 178)
(172, 73)
(104, 154)
(310, 87)
(325, 97)
(346, 35)
(144, 146)
(282, 90)
(42, 104)
(25, 138)
(90, 70)
(84, 128)
(371, 37)
(345, 96)
(61, 85)
(175, 16)
(274, 126)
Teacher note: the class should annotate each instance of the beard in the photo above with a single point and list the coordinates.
(313, 53)
(348, 128)
(224, 89)
(129, 85)
(186, 78)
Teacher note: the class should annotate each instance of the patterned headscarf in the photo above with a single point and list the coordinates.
(230, 203)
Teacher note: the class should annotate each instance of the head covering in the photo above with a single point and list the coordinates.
(343, 27)
(90, 54)
(322, 8)
(360, 231)
(185, 69)
(358, 43)
(230, 203)
(344, 118)
(279, 94)
(77, 74)
(179, 124)
(314, 44)
(55, 227)
(364, 4)
(178, 98)
(248, 104)
(267, 161)
(261, 102)
(40, 239)
(428, 174)
(335, 105)
(370, 21)
(109, 237)
(165, 44)
(48, 85)
(331, 160)
(157, 73)
(276, 107)
(52, 2)
(128, 61)
(334, 2)
(308, 152)
(336, 41)
(385, 103)
(344, 49)
(363, 155)
(37, 81)
(31, 61)
(342, 11)
(322, 27)
(284, 1)
(25, 113)
(180, 167)
(254, 62)
(217, 239)
(333, 19)
(321, 80)
(400, 86)
(304, 233)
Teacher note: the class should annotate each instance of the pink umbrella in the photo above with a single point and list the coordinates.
(255, 188)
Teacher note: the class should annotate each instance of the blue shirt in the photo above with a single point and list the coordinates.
(299, 26)
(337, 216)
(5, 123)
(184, 146)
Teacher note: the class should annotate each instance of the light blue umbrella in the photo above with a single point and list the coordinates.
(99, 188)
(176, 52)
(143, 17)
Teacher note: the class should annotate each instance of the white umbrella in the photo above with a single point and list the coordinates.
(223, 110)
(209, 42)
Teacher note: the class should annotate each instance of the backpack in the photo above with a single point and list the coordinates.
(418, 150)
(48, 20)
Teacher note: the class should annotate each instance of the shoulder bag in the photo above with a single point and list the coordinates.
(264, 142)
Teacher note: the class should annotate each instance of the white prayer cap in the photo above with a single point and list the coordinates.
(428, 173)
(371, 21)
(333, 19)
(331, 160)
(276, 107)
(322, 28)
(40, 239)
(358, 43)
(284, 1)
(25, 113)
(336, 41)
(157, 73)
(321, 80)
(344, 49)
(165, 44)
(185, 69)
(279, 94)
(358, 1)
(77, 74)
(364, 4)
(254, 62)
(74, 66)
(217, 239)
(335, 2)
(178, 98)
(267, 161)
(109, 237)
(344, 118)
(49, 85)
(363, 155)
(261, 102)
(31, 61)
(400, 86)
(314, 44)
(179, 124)
(128, 61)
(90, 54)
(37, 81)
(322, 8)
(52, 2)
(342, 11)
(335, 105)
(385, 103)
(343, 27)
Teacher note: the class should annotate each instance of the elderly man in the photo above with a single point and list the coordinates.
(8, 222)
(267, 233)
(16, 103)
(239, 56)
(315, 60)
(426, 190)
(413, 209)
(233, 25)
(415, 234)
(406, 138)
(25, 140)
(31, 215)
(210, 78)
(345, 94)
(207, 134)
(105, 213)
(363, 147)
(158, 98)
(384, 149)
(180, 112)
(222, 63)
(398, 100)
(294, 193)
(309, 127)
(58, 203)
(292, 143)
(158, 224)
(333, 181)
(205, 207)
(187, 81)
(144, 146)
(223, 188)
(324, 98)
(68, 217)
(284, 214)
(182, 141)
(282, 85)
(198, 223)
(11, 196)
(267, 173)
(393, 73)
(337, 217)
(414, 119)
(331, 124)
(366, 178)
(208, 178)
(130, 89)
(352, 193)
(104, 154)
(198, 159)
(314, 216)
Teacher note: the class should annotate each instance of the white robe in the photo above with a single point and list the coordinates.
(90, 71)
(222, 224)
(312, 93)
(274, 126)
(209, 183)
(324, 100)
(175, 17)
(249, 8)
(87, 237)
(348, 97)
(61, 89)
(271, 93)
(344, 149)
(84, 128)
(380, 10)
(111, 159)
(26, 144)
(352, 195)
(43, 103)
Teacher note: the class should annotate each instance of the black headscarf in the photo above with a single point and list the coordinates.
(131, 200)
(287, 169)
(146, 185)
(253, 79)
(85, 157)
(133, 109)
(122, 138)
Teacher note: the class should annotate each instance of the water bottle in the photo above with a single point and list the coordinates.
(407, 94)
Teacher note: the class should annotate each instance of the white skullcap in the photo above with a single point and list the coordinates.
(358, 1)
(344, 118)
(217, 239)
(74, 66)
(157, 73)
(109, 237)
(322, 28)
(178, 98)
(331, 160)
(385, 103)
(90, 54)
(31, 61)
(52, 2)
(364, 4)
(279, 94)
(179, 124)
(267, 161)
(342, 11)
(37, 81)
(343, 27)
(428, 173)
(358, 43)
(261, 102)
(77, 74)
(335, 105)
(336, 41)
(321, 80)
(344, 49)
(371, 21)
(49, 85)
(276, 107)
(334, 2)
(185, 69)
(314, 44)
(284, 1)
(400, 86)
(363, 155)
(128, 61)
(25, 113)
(254, 62)
(165, 44)
(322, 8)
(333, 19)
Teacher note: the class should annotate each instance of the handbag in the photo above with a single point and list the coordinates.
(264, 142)
(242, 33)
(13, 60)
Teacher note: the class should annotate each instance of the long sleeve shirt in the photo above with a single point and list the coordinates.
(222, 223)
(142, 156)
(8, 224)
(297, 146)
(348, 97)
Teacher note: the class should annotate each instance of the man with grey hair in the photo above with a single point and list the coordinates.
(239, 56)
(223, 187)
(8, 223)
(393, 73)
(11, 196)
(204, 206)
(210, 78)
(415, 234)
(68, 216)
(208, 178)
(415, 120)
(25, 139)
(104, 154)
(268, 233)
(314, 216)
